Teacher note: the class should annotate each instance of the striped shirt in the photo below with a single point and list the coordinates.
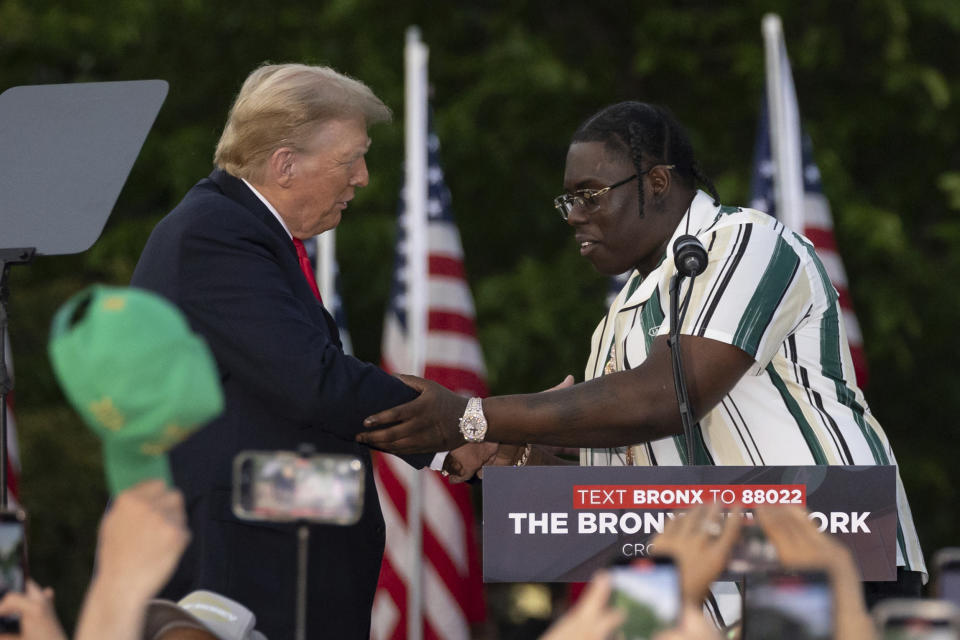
(766, 292)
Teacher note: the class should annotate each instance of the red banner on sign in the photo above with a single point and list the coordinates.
(596, 496)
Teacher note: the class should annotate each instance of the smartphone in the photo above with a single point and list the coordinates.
(752, 552)
(13, 561)
(946, 575)
(285, 486)
(782, 604)
(901, 619)
(648, 590)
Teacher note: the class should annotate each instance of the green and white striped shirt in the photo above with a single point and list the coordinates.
(766, 292)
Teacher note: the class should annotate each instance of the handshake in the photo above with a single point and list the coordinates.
(467, 461)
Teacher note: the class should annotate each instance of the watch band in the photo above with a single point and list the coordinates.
(473, 424)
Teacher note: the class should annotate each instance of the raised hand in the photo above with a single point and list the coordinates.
(699, 543)
(34, 607)
(141, 540)
(592, 618)
(801, 546)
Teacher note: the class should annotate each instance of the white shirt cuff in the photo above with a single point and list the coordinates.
(438, 459)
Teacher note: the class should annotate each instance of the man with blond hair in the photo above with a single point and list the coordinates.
(231, 256)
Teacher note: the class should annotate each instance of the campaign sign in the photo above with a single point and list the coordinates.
(562, 523)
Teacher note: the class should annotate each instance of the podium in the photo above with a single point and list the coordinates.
(561, 524)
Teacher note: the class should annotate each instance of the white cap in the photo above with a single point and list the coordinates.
(203, 610)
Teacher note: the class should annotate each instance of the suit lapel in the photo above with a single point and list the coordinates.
(236, 190)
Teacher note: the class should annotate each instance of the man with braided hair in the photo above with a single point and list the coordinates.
(768, 366)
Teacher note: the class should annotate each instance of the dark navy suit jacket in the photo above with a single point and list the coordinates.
(223, 258)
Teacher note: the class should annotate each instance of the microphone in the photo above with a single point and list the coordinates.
(689, 256)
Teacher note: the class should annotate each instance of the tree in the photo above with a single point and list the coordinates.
(877, 85)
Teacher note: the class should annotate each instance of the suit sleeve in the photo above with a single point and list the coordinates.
(233, 288)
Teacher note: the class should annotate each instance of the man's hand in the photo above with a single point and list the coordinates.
(700, 544)
(464, 462)
(426, 424)
(508, 455)
(34, 607)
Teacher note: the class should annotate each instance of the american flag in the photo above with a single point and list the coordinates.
(452, 582)
(13, 457)
(817, 223)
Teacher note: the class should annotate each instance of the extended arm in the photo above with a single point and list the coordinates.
(617, 409)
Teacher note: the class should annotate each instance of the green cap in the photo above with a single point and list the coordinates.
(141, 379)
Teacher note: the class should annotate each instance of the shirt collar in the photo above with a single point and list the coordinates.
(702, 213)
(269, 207)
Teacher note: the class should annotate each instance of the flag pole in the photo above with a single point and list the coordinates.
(784, 126)
(415, 127)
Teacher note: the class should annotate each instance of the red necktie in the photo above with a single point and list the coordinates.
(306, 267)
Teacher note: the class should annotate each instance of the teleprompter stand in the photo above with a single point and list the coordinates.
(65, 152)
(8, 257)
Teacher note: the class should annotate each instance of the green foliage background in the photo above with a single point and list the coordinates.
(878, 82)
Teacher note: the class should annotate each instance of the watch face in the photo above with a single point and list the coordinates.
(473, 424)
(472, 428)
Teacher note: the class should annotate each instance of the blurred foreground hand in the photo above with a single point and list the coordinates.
(141, 540)
(34, 607)
(592, 617)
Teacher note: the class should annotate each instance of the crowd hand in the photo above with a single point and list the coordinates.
(798, 543)
(427, 424)
(592, 617)
(692, 626)
(699, 543)
(34, 607)
(800, 546)
(468, 460)
(142, 537)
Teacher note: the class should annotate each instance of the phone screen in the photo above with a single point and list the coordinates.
(13, 561)
(788, 605)
(284, 486)
(13, 573)
(917, 619)
(649, 591)
(752, 552)
(918, 628)
(948, 581)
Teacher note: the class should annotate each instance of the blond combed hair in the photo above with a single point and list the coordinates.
(281, 105)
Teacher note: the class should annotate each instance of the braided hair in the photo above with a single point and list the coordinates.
(638, 129)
